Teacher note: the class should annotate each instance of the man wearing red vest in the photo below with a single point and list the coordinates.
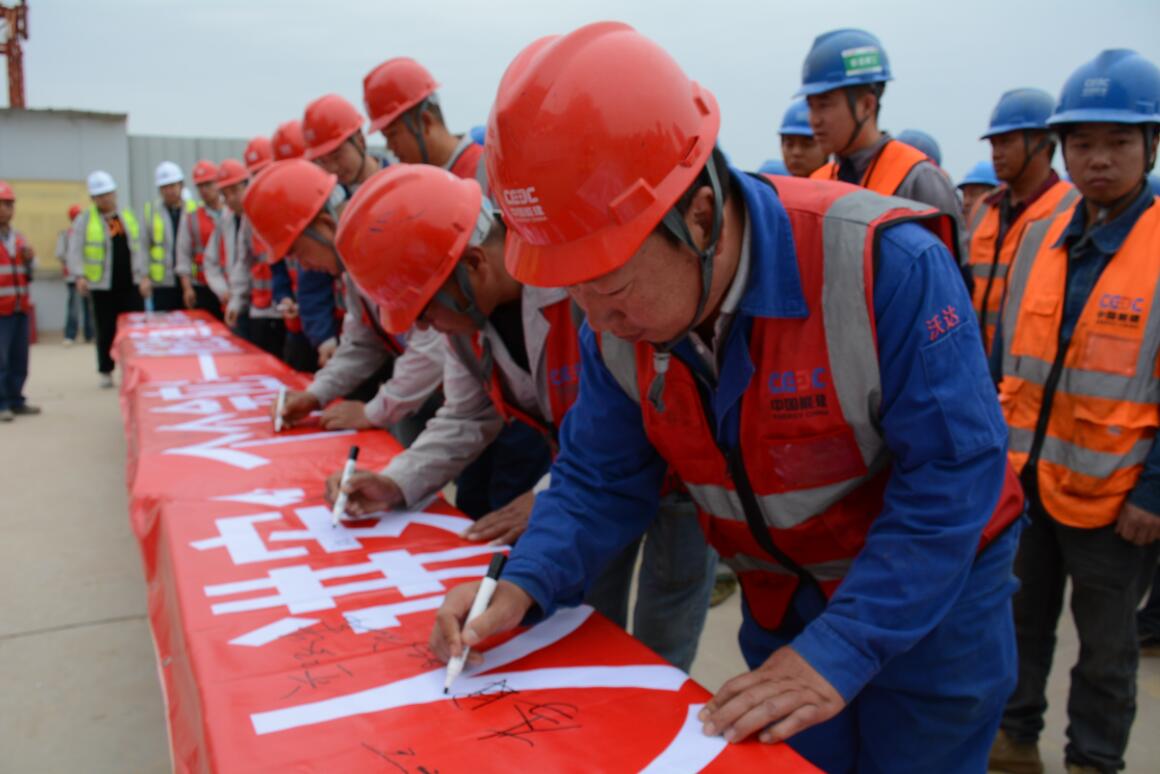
(402, 103)
(193, 241)
(16, 257)
(513, 357)
(1021, 152)
(251, 278)
(800, 354)
(1078, 346)
(843, 79)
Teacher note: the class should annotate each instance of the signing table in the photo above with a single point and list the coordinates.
(286, 644)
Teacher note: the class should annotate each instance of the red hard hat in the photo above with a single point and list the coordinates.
(231, 172)
(393, 88)
(593, 137)
(73, 211)
(402, 233)
(287, 141)
(204, 171)
(328, 122)
(283, 200)
(6, 194)
(259, 154)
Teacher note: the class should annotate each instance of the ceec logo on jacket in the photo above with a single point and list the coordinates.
(781, 382)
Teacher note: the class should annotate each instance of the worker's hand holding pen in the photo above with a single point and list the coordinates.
(366, 493)
(451, 634)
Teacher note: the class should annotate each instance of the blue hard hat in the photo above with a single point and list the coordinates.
(916, 138)
(1154, 182)
(796, 120)
(841, 58)
(983, 173)
(1117, 87)
(773, 167)
(478, 133)
(1020, 109)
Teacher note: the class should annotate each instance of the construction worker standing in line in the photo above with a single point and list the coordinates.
(841, 438)
(843, 79)
(72, 317)
(513, 356)
(102, 254)
(401, 100)
(1077, 346)
(16, 257)
(979, 181)
(163, 221)
(310, 300)
(251, 277)
(222, 250)
(197, 232)
(799, 150)
(1022, 148)
(332, 129)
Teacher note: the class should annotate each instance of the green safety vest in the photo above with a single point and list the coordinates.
(94, 255)
(157, 250)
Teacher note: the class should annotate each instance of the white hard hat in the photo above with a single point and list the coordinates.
(101, 182)
(167, 172)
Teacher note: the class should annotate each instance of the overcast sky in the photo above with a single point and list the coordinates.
(235, 68)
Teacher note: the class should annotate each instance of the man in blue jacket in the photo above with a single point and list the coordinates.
(803, 359)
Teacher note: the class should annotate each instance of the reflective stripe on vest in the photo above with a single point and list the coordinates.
(159, 249)
(990, 258)
(201, 230)
(808, 424)
(560, 380)
(14, 277)
(886, 171)
(97, 241)
(1102, 391)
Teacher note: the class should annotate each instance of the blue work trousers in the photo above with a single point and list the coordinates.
(936, 707)
(13, 359)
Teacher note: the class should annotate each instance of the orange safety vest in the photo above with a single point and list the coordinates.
(990, 259)
(886, 171)
(1102, 391)
(14, 297)
(561, 382)
(467, 163)
(261, 276)
(201, 229)
(812, 465)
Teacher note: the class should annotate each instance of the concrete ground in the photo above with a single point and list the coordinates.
(76, 660)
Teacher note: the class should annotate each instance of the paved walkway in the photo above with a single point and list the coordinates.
(80, 691)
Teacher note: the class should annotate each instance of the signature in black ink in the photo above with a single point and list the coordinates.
(538, 719)
(389, 757)
(484, 697)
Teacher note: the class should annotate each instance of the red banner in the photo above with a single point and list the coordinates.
(285, 643)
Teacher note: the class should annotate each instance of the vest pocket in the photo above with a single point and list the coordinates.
(1035, 326)
(1109, 354)
(811, 461)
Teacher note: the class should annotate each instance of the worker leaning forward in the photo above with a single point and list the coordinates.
(513, 357)
(803, 358)
(1076, 349)
(198, 230)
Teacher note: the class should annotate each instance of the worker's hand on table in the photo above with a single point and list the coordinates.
(1137, 525)
(326, 351)
(346, 415)
(145, 287)
(503, 525)
(366, 492)
(778, 699)
(189, 297)
(82, 286)
(231, 316)
(508, 607)
(297, 405)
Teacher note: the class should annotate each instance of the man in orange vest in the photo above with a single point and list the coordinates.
(513, 357)
(16, 257)
(1077, 346)
(836, 426)
(843, 79)
(402, 103)
(197, 232)
(1021, 152)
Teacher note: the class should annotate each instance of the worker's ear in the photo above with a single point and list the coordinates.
(699, 216)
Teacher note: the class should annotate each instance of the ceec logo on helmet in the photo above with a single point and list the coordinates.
(522, 204)
(1095, 87)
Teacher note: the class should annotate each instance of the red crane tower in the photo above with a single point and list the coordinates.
(13, 29)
